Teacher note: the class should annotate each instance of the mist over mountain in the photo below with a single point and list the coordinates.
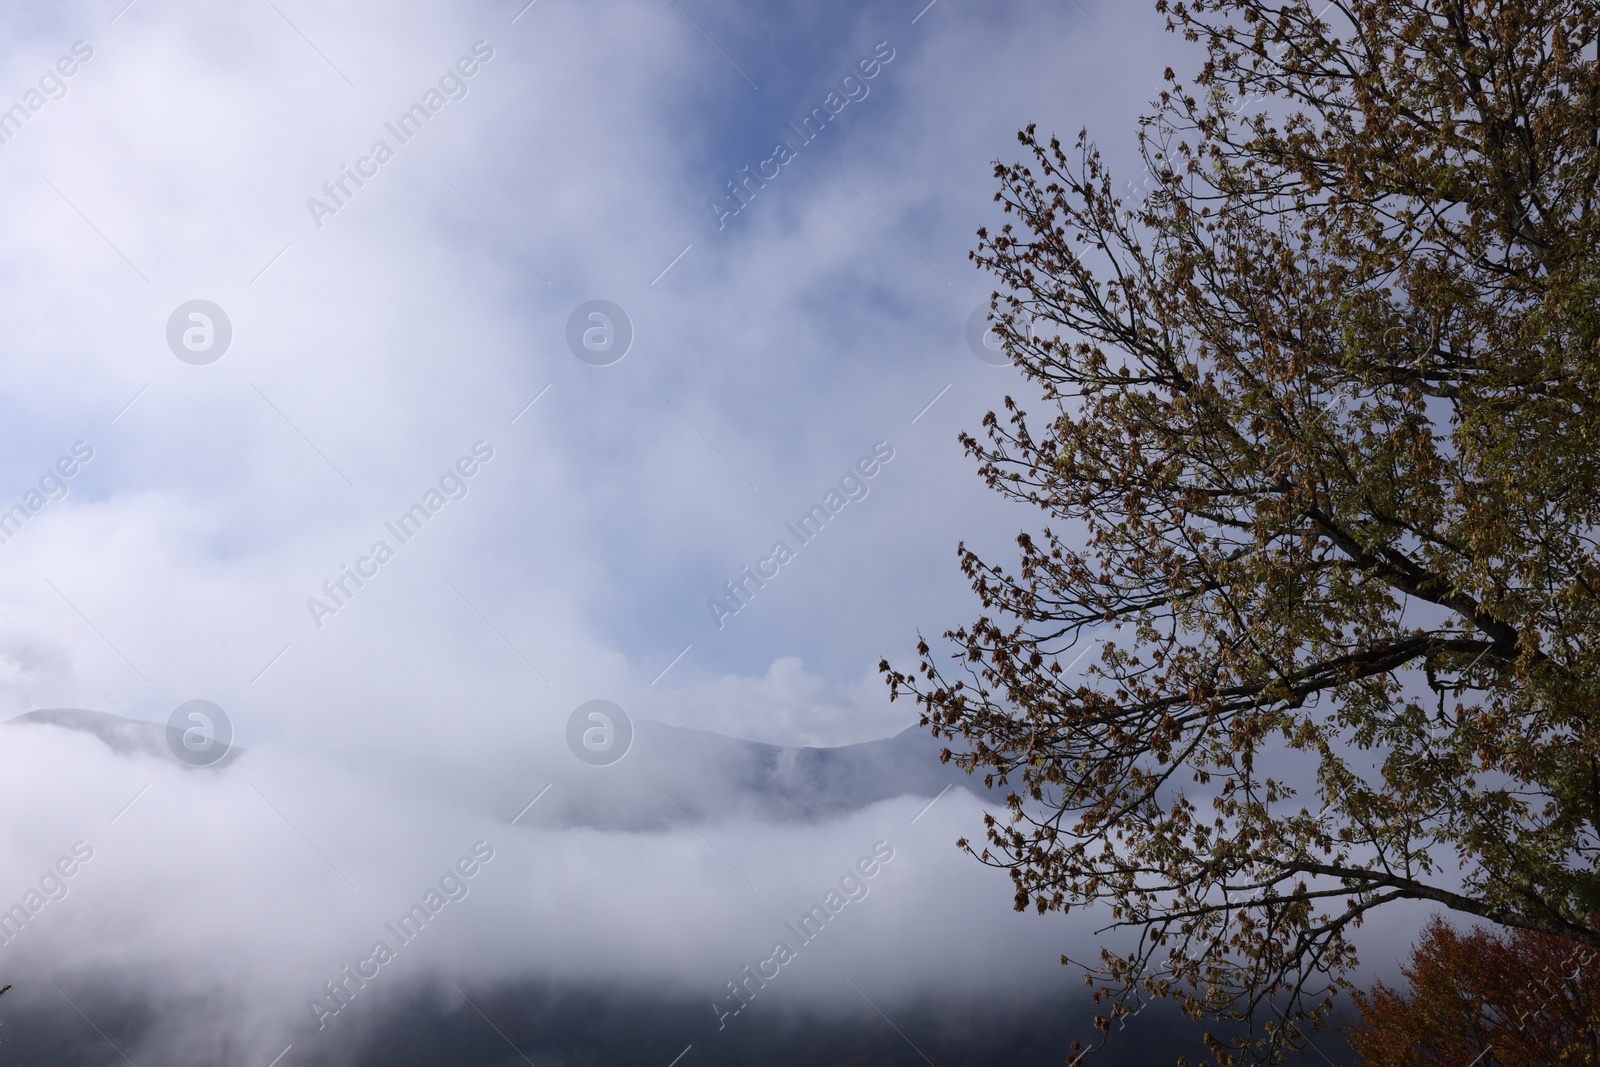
(123, 736)
(471, 1006)
(670, 773)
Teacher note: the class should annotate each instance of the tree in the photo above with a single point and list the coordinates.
(1519, 999)
(1317, 468)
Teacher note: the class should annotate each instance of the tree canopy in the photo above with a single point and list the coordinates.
(1514, 999)
(1315, 452)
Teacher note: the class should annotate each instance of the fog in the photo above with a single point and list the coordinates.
(416, 340)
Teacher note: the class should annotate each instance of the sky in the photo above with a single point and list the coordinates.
(387, 337)
(374, 346)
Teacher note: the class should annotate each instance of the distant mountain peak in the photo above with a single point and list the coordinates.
(124, 736)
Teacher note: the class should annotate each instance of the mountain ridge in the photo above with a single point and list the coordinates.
(671, 773)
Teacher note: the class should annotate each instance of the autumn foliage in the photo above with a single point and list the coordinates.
(1500, 999)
